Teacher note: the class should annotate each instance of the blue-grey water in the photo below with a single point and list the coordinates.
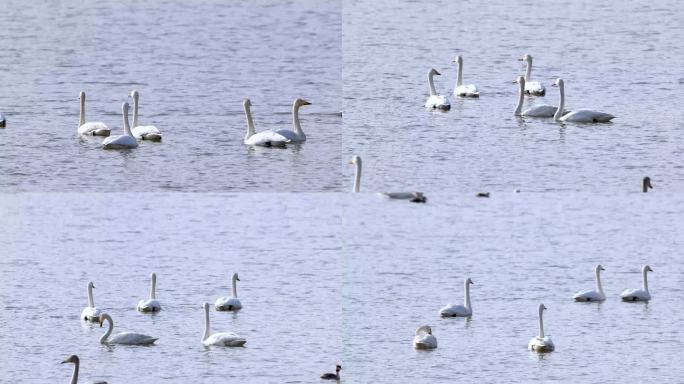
(343, 278)
(193, 62)
(620, 57)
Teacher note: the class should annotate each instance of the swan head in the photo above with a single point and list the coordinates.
(104, 316)
(81, 95)
(300, 102)
(542, 307)
(153, 276)
(91, 285)
(559, 82)
(647, 268)
(424, 328)
(458, 59)
(71, 359)
(469, 281)
(355, 160)
(647, 184)
(520, 80)
(205, 305)
(247, 102)
(433, 72)
(124, 108)
(599, 267)
(135, 95)
(526, 57)
(235, 277)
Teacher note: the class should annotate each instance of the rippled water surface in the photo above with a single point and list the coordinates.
(329, 278)
(193, 63)
(621, 57)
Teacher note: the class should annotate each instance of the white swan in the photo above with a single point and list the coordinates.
(646, 184)
(231, 303)
(125, 338)
(296, 135)
(638, 294)
(74, 376)
(541, 343)
(424, 338)
(143, 132)
(461, 90)
(97, 128)
(531, 87)
(593, 294)
(580, 115)
(91, 313)
(414, 197)
(455, 310)
(435, 100)
(332, 376)
(539, 110)
(124, 141)
(225, 339)
(265, 138)
(151, 304)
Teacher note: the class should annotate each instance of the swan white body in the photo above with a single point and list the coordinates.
(541, 343)
(151, 304)
(638, 294)
(125, 141)
(297, 134)
(540, 110)
(91, 313)
(532, 87)
(3, 120)
(594, 294)
(96, 128)
(265, 138)
(435, 100)
(231, 303)
(74, 376)
(224, 339)
(124, 338)
(580, 115)
(469, 90)
(415, 197)
(455, 310)
(143, 132)
(424, 338)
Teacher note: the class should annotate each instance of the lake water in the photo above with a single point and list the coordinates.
(329, 278)
(344, 278)
(193, 63)
(620, 57)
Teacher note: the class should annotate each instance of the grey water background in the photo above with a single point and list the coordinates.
(193, 62)
(343, 278)
(620, 57)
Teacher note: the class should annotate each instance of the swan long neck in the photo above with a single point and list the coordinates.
(521, 97)
(153, 287)
(459, 73)
(357, 176)
(74, 375)
(110, 328)
(296, 127)
(528, 71)
(251, 130)
(234, 286)
(645, 272)
(135, 110)
(127, 127)
(466, 300)
(206, 323)
(431, 83)
(81, 119)
(599, 288)
(541, 322)
(561, 102)
(90, 296)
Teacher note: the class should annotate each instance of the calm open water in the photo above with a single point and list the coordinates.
(329, 278)
(193, 63)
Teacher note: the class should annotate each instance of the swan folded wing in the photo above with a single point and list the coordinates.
(119, 142)
(132, 338)
(452, 310)
(438, 102)
(290, 135)
(469, 90)
(91, 314)
(267, 139)
(541, 344)
(151, 305)
(92, 127)
(589, 295)
(535, 88)
(587, 116)
(228, 339)
(146, 131)
(635, 295)
(542, 110)
(228, 303)
(425, 341)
